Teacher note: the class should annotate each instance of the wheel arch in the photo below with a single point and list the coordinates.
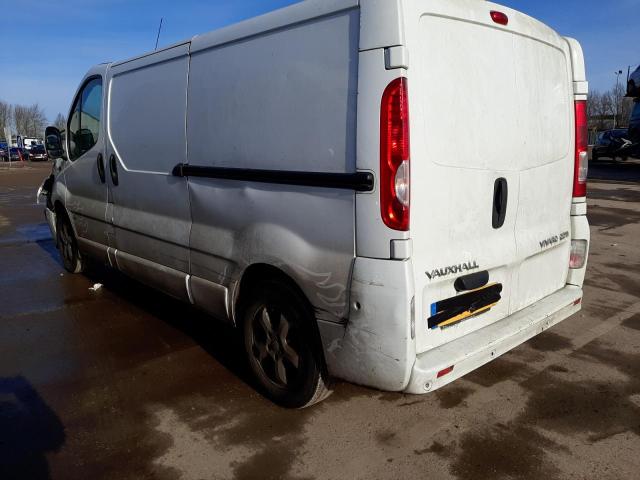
(61, 212)
(258, 273)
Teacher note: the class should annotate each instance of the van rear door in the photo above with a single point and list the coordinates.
(491, 135)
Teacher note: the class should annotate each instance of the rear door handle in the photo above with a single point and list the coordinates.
(113, 169)
(100, 164)
(500, 199)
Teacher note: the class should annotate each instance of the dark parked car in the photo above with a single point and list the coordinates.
(18, 154)
(38, 152)
(612, 144)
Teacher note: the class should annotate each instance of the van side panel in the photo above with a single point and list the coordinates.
(284, 100)
(146, 128)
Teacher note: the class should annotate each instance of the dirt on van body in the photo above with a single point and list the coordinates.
(122, 382)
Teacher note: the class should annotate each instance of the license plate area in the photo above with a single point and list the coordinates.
(453, 310)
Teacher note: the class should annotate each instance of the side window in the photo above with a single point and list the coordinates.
(84, 124)
(74, 126)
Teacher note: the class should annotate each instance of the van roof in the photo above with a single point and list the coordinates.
(292, 14)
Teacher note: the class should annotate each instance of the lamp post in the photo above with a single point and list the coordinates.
(615, 118)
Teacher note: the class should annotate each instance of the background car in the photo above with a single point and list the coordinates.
(18, 154)
(612, 144)
(38, 152)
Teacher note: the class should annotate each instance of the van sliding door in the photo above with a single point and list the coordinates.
(147, 108)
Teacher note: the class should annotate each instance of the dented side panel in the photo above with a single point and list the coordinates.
(284, 100)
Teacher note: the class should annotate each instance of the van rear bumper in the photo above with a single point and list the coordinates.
(474, 350)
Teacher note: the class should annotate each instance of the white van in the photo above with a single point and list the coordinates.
(391, 192)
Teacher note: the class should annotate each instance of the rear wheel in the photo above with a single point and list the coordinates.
(68, 245)
(281, 345)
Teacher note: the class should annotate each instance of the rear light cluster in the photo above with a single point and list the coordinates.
(578, 255)
(394, 156)
(582, 151)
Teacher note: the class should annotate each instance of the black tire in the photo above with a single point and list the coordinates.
(68, 245)
(282, 345)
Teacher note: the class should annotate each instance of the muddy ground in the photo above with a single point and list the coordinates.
(125, 383)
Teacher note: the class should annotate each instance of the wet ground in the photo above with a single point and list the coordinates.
(125, 383)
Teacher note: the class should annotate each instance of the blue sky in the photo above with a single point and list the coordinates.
(52, 44)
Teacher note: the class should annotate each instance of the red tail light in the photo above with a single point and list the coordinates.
(582, 151)
(394, 156)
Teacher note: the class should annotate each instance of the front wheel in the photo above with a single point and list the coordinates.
(68, 245)
(282, 347)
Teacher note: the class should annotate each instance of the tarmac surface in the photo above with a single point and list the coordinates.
(126, 383)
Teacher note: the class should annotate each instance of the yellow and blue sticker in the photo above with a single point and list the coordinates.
(453, 310)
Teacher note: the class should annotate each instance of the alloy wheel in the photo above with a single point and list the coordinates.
(275, 346)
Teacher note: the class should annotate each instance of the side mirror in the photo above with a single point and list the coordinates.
(53, 143)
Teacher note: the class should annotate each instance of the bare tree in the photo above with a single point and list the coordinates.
(30, 121)
(600, 110)
(20, 118)
(593, 110)
(6, 114)
(60, 122)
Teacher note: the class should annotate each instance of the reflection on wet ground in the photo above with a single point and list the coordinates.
(126, 383)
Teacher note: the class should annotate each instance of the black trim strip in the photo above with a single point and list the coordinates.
(358, 181)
